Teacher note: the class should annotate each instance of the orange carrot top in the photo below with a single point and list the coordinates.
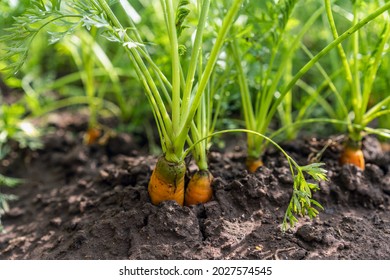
(199, 188)
(167, 182)
(352, 154)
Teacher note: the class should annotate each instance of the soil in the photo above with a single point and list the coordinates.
(91, 202)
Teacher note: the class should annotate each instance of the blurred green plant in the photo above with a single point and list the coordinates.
(356, 67)
(263, 49)
(78, 73)
(14, 128)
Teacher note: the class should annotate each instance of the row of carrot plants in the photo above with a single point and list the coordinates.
(190, 60)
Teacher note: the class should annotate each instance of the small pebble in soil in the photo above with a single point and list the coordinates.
(56, 222)
(15, 212)
(74, 224)
(82, 183)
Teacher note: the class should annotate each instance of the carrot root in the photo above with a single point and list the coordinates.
(92, 135)
(353, 154)
(167, 182)
(199, 188)
(252, 164)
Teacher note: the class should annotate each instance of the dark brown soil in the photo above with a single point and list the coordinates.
(81, 202)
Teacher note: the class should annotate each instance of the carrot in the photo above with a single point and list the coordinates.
(199, 188)
(352, 154)
(167, 182)
(252, 164)
(91, 135)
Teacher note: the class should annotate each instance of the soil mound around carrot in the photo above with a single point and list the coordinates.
(81, 202)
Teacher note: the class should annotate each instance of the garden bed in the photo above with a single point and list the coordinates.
(80, 202)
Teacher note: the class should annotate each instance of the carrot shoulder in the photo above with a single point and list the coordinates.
(352, 154)
(167, 182)
(92, 135)
(199, 188)
(252, 164)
